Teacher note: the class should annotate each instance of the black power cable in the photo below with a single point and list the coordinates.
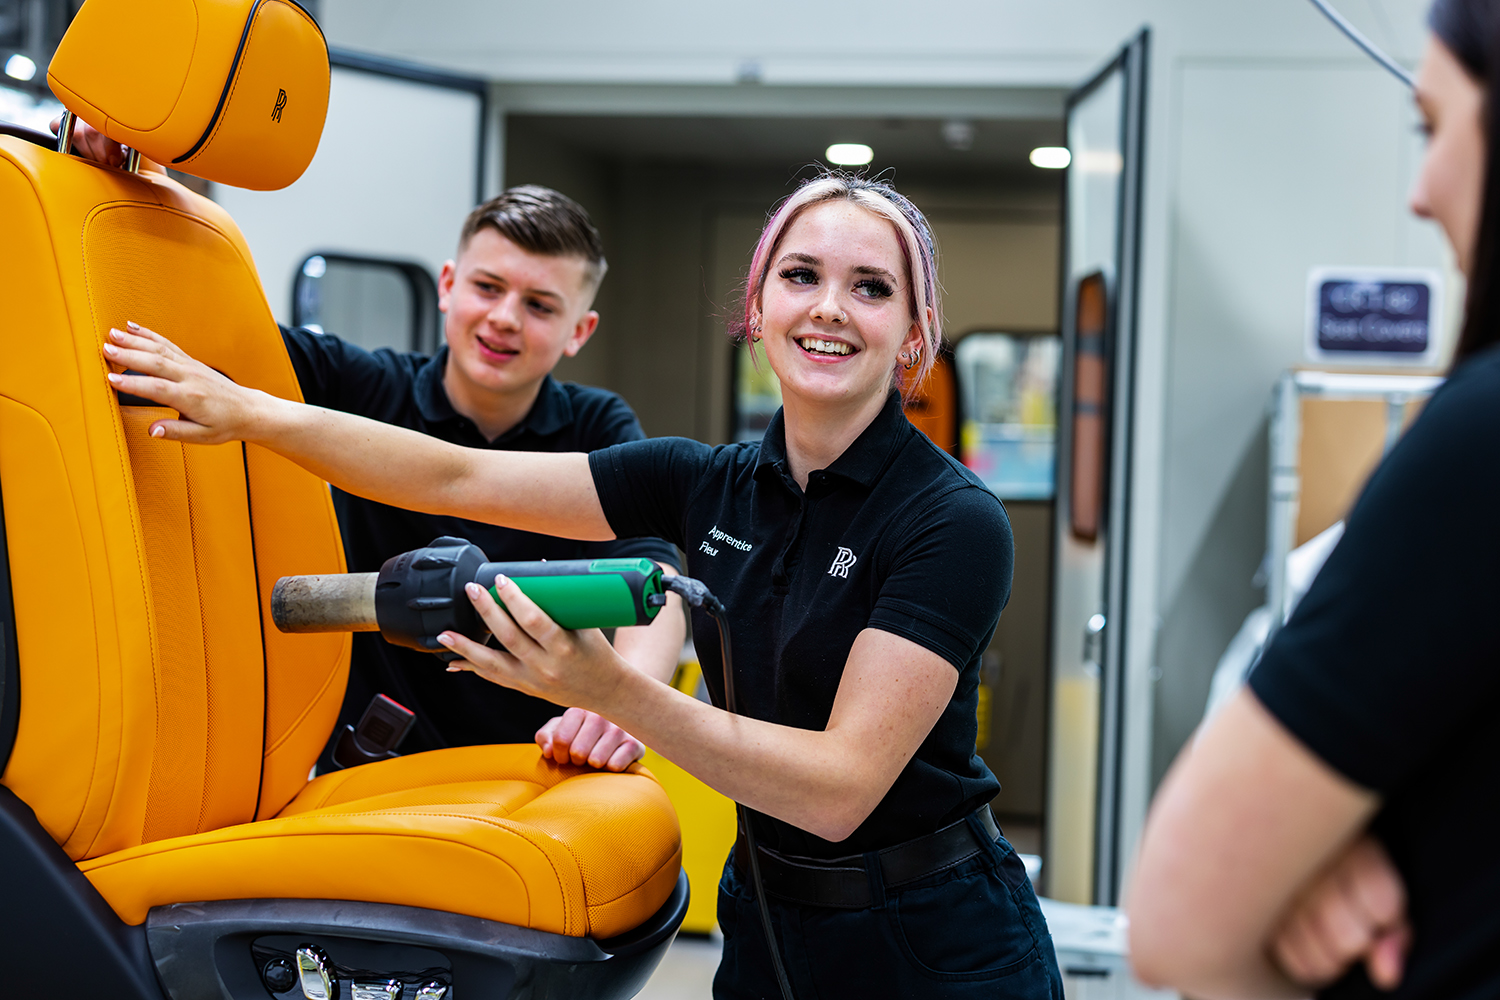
(698, 596)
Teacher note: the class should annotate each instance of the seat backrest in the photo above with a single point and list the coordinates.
(156, 697)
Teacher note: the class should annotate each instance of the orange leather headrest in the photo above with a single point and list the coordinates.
(234, 91)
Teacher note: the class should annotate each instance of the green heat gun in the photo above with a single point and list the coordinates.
(420, 594)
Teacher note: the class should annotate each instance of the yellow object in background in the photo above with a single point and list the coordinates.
(982, 716)
(707, 820)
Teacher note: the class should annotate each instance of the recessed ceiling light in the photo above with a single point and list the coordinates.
(849, 154)
(18, 67)
(1051, 157)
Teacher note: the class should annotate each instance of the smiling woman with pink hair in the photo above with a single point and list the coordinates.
(864, 571)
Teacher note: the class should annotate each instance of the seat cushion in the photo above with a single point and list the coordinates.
(496, 832)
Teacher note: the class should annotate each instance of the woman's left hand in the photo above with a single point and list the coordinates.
(539, 657)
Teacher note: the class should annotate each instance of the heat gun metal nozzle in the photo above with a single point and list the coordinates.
(336, 602)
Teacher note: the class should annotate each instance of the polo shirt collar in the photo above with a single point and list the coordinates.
(551, 412)
(863, 461)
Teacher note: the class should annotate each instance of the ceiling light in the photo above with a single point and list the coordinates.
(849, 154)
(1051, 157)
(19, 67)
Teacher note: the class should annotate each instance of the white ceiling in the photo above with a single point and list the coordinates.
(950, 43)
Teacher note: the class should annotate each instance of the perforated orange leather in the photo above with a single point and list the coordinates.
(232, 90)
(206, 758)
(493, 832)
(166, 727)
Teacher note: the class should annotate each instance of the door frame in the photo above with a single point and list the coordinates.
(1132, 62)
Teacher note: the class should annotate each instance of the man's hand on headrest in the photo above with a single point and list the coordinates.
(91, 144)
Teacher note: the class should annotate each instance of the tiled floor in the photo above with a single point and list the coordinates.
(687, 971)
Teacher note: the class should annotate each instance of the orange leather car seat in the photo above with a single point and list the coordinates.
(166, 729)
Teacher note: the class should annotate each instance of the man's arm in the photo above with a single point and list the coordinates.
(1246, 818)
(653, 649)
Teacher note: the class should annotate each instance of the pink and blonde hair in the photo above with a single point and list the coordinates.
(913, 233)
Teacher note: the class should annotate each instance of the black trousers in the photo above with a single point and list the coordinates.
(974, 930)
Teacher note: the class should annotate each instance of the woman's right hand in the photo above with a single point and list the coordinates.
(212, 408)
(1354, 911)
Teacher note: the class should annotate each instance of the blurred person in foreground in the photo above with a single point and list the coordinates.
(1330, 831)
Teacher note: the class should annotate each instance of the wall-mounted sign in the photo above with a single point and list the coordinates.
(1375, 316)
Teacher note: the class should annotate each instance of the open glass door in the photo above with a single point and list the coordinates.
(1101, 224)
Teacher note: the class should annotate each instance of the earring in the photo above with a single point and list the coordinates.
(910, 361)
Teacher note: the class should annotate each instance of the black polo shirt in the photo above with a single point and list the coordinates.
(1389, 671)
(894, 535)
(407, 390)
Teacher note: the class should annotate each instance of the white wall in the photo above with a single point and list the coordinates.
(394, 176)
(1272, 146)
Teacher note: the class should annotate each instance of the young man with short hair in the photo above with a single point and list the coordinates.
(516, 299)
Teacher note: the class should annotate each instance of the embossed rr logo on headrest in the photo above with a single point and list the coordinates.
(280, 103)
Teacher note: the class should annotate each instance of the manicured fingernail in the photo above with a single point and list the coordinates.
(111, 350)
(455, 670)
(445, 638)
(133, 324)
(113, 377)
(501, 581)
(473, 589)
(157, 432)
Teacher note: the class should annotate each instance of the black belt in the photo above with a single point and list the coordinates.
(841, 883)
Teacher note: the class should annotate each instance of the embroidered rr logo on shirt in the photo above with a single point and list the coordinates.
(841, 562)
(280, 104)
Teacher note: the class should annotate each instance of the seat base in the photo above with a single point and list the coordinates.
(209, 950)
